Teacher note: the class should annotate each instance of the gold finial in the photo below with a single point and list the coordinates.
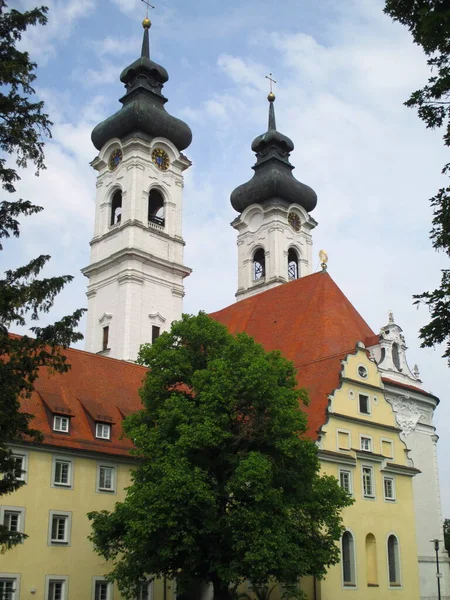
(146, 23)
(323, 257)
(271, 96)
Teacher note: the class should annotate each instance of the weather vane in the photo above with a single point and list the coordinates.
(269, 77)
(148, 5)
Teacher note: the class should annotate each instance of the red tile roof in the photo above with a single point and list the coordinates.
(409, 387)
(312, 323)
(95, 389)
(309, 320)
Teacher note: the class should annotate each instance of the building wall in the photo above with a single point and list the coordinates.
(35, 560)
(377, 516)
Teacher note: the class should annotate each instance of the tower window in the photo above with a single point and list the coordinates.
(259, 265)
(155, 332)
(105, 338)
(348, 559)
(116, 208)
(156, 208)
(393, 562)
(396, 356)
(292, 264)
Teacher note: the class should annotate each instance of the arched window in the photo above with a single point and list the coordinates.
(396, 356)
(156, 207)
(393, 561)
(259, 265)
(371, 560)
(292, 264)
(348, 559)
(116, 208)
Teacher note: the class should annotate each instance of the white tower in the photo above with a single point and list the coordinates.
(136, 269)
(414, 411)
(274, 226)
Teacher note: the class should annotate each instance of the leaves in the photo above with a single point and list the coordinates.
(23, 125)
(227, 488)
(429, 23)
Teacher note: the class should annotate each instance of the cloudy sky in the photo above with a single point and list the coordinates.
(343, 70)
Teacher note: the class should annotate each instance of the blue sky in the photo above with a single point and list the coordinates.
(343, 70)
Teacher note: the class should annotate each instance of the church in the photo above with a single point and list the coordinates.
(370, 414)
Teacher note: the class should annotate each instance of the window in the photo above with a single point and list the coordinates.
(348, 560)
(105, 340)
(343, 440)
(145, 591)
(366, 443)
(362, 371)
(345, 480)
(20, 466)
(61, 424)
(13, 518)
(59, 528)
(387, 448)
(155, 332)
(62, 472)
(9, 588)
(102, 590)
(364, 404)
(116, 208)
(371, 560)
(292, 264)
(56, 587)
(389, 488)
(393, 561)
(396, 356)
(103, 431)
(368, 484)
(259, 265)
(106, 478)
(156, 208)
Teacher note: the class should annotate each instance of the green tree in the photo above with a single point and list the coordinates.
(23, 127)
(447, 534)
(429, 23)
(228, 486)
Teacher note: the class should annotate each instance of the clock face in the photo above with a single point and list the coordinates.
(294, 221)
(115, 159)
(161, 159)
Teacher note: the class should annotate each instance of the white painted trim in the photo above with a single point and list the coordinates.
(366, 437)
(59, 578)
(107, 465)
(62, 486)
(96, 580)
(16, 578)
(400, 586)
(349, 433)
(19, 509)
(68, 527)
(374, 494)
(355, 562)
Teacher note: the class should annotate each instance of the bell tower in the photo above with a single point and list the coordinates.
(136, 269)
(274, 225)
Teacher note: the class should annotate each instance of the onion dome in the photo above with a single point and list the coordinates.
(273, 182)
(143, 104)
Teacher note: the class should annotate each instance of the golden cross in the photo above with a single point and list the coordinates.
(148, 5)
(269, 77)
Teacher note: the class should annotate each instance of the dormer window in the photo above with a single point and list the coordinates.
(61, 424)
(103, 431)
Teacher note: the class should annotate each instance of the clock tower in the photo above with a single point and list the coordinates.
(136, 269)
(274, 225)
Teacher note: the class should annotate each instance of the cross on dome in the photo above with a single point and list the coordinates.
(271, 96)
(146, 23)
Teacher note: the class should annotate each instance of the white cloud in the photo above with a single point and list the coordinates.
(62, 16)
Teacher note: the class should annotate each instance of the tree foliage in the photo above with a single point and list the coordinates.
(227, 488)
(23, 127)
(429, 23)
(447, 534)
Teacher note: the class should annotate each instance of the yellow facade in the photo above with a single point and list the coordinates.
(360, 445)
(360, 434)
(37, 562)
